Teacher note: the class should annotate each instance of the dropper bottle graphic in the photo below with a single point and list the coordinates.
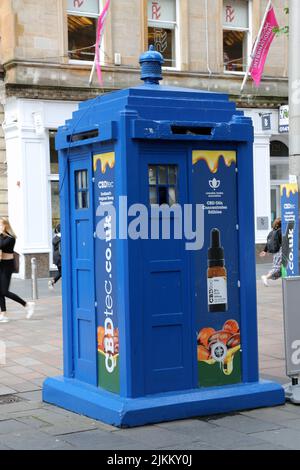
(216, 275)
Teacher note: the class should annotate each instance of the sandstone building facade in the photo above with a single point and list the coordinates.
(46, 53)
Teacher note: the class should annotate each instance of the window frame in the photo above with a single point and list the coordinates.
(248, 31)
(85, 15)
(167, 185)
(176, 24)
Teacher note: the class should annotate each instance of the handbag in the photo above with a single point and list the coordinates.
(16, 262)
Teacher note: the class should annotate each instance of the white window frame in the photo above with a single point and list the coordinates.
(87, 15)
(176, 24)
(249, 32)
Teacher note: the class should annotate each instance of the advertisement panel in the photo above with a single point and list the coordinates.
(290, 229)
(105, 273)
(217, 287)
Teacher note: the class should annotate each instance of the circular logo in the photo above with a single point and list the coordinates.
(218, 351)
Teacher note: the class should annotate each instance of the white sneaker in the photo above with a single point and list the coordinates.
(3, 318)
(50, 285)
(265, 280)
(30, 306)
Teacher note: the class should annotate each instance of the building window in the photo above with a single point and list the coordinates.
(236, 34)
(163, 184)
(163, 29)
(82, 190)
(82, 27)
(279, 154)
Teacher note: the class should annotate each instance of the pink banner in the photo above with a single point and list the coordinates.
(100, 30)
(263, 46)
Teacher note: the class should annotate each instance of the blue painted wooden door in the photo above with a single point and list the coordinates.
(168, 331)
(83, 290)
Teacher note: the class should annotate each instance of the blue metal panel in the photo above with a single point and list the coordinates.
(82, 265)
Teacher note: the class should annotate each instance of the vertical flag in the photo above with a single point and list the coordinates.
(100, 30)
(262, 46)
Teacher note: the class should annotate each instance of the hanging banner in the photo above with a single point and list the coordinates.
(261, 51)
(290, 229)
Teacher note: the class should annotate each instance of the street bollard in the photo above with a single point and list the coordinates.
(34, 279)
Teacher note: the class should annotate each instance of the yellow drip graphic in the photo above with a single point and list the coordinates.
(212, 158)
(291, 188)
(106, 159)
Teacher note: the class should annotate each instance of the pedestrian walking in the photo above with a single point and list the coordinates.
(7, 244)
(56, 243)
(273, 246)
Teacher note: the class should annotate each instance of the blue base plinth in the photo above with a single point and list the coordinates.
(123, 412)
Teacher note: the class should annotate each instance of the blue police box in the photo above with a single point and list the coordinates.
(159, 286)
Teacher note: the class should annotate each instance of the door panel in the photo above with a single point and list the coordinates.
(83, 295)
(167, 307)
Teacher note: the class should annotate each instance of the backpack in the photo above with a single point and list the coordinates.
(273, 243)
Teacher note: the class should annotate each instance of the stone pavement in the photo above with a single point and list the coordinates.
(34, 352)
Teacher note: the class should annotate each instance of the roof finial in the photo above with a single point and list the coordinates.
(151, 63)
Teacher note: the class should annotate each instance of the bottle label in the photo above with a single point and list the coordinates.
(217, 290)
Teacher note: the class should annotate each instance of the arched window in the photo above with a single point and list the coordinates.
(278, 149)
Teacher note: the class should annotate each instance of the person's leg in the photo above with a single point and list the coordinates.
(16, 298)
(5, 282)
(58, 275)
(56, 278)
(3, 317)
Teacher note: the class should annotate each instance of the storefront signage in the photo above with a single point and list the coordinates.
(290, 229)
(266, 121)
(284, 119)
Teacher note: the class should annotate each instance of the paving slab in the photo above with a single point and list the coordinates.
(34, 351)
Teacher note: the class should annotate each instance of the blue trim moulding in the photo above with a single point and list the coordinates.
(125, 412)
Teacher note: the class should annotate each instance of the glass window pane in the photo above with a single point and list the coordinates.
(173, 175)
(152, 174)
(55, 203)
(53, 154)
(172, 196)
(84, 179)
(85, 199)
(278, 149)
(236, 13)
(164, 42)
(86, 6)
(280, 172)
(162, 10)
(153, 195)
(163, 195)
(162, 175)
(81, 35)
(235, 50)
(81, 188)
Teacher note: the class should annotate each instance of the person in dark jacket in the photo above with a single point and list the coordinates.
(274, 246)
(7, 244)
(56, 243)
